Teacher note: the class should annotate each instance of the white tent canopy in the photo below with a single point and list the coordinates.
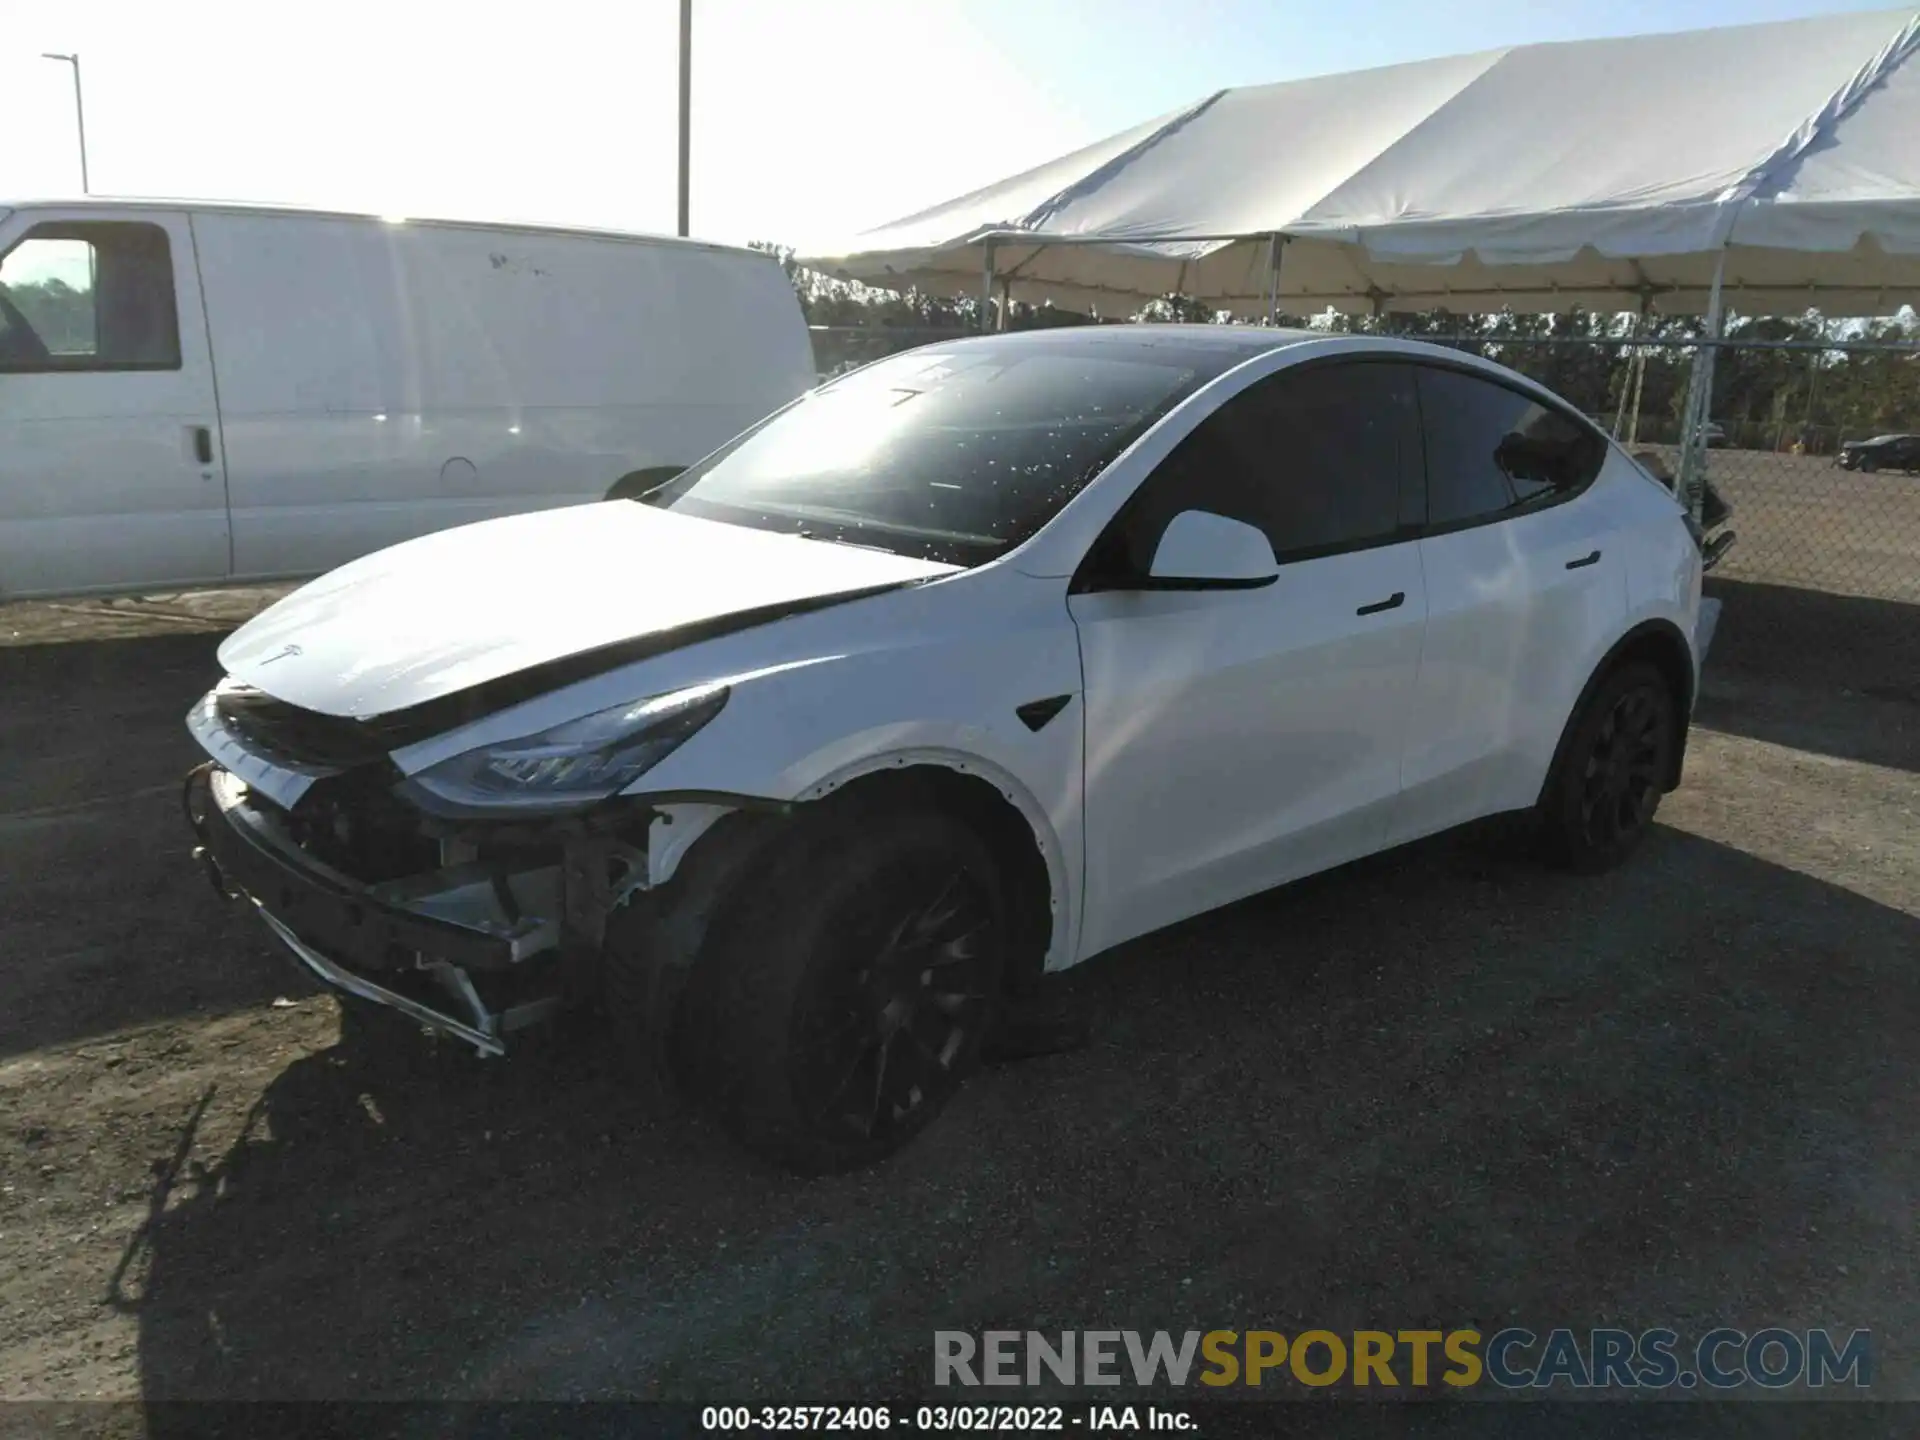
(1603, 174)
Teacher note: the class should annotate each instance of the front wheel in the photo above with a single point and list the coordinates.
(1600, 800)
(841, 1013)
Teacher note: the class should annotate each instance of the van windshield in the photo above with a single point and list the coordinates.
(954, 453)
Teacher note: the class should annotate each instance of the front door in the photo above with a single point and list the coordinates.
(111, 477)
(1237, 739)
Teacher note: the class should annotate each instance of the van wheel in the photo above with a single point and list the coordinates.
(636, 483)
(1600, 801)
(840, 1014)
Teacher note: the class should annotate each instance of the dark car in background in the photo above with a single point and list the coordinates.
(1883, 452)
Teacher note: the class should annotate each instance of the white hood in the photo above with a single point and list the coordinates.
(463, 607)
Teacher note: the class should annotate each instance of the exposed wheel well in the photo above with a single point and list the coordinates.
(998, 821)
(638, 482)
(1660, 644)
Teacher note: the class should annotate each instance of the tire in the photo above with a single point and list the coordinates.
(837, 1017)
(1868, 465)
(1600, 800)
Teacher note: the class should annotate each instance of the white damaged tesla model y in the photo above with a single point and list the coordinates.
(968, 666)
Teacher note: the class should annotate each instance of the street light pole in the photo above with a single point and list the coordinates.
(79, 113)
(686, 105)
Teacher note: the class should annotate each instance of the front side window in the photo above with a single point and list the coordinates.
(1321, 459)
(89, 296)
(1492, 450)
(954, 454)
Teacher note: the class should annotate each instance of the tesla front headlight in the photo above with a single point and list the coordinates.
(578, 763)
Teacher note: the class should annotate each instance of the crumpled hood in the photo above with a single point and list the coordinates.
(461, 608)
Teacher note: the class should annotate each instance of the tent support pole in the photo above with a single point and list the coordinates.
(1639, 381)
(1006, 303)
(1276, 252)
(1626, 383)
(1626, 429)
(986, 290)
(1639, 373)
(1693, 438)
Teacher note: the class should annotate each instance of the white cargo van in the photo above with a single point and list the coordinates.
(197, 394)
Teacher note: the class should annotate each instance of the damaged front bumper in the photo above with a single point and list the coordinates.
(474, 951)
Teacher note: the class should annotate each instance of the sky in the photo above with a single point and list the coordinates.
(812, 119)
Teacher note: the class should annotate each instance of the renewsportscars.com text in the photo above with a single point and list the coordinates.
(1514, 1358)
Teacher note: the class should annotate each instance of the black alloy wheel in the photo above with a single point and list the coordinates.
(1620, 786)
(903, 998)
(1601, 801)
(848, 1001)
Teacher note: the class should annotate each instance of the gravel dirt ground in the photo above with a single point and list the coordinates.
(1802, 520)
(1440, 1087)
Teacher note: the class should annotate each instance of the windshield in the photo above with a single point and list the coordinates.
(955, 453)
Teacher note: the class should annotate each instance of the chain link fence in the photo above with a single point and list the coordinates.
(1817, 505)
(1809, 512)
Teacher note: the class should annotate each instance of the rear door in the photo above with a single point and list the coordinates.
(111, 473)
(1526, 576)
(1237, 739)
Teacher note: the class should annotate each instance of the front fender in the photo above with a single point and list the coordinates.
(1046, 838)
(896, 747)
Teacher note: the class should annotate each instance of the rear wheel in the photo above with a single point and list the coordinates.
(841, 1012)
(1600, 801)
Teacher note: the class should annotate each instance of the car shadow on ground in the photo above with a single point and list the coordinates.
(107, 921)
(1438, 1088)
(1831, 674)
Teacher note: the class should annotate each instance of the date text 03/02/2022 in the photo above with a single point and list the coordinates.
(977, 1419)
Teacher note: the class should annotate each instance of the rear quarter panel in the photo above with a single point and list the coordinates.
(1663, 563)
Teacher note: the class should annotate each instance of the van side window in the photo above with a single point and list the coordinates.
(93, 295)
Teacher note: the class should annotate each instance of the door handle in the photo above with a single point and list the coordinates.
(202, 444)
(1392, 602)
(1584, 561)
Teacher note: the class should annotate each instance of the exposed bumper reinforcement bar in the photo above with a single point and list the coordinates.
(346, 929)
(324, 970)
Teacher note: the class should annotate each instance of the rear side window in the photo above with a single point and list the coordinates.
(89, 296)
(1318, 458)
(1491, 450)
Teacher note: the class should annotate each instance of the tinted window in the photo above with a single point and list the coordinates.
(89, 297)
(1491, 449)
(1313, 457)
(955, 453)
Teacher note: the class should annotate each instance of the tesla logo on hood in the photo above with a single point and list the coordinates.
(286, 652)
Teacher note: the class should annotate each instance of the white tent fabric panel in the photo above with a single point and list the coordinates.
(1022, 194)
(1231, 164)
(1605, 173)
(1858, 181)
(1628, 146)
(1316, 276)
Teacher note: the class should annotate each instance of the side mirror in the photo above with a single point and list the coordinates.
(1204, 551)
